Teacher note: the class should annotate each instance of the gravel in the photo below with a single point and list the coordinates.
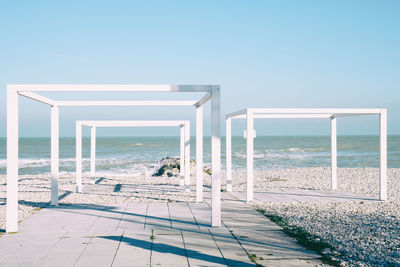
(363, 233)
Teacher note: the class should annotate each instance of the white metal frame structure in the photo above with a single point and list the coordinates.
(212, 93)
(184, 145)
(303, 113)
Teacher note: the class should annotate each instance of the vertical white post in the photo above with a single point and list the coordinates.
(93, 151)
(250, 148)
(199, 154)
(333, 154)
(187, 156)
(228, 154)
(383, 155)
(215, 157)
(54, 154)
(182, 157)
(12, 160)
(78, 157)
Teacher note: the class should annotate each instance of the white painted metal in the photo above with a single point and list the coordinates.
(137, 123)
(310, 113)
(333, 154)
(250, 159)
(78, 161)
(334, 111)
(343, 115)
(54, 155)
(383, 154)
(39, 98)
(245, 133)
(286, 116)
(236, 113)
(12, 160)
(297, 113)
(203, 100)
(93, 151)
(228, 140)
(199, 154)
(27, 89)
(110, 88)
(187, 156)
(215, 158)
(127, 103)
(182, 157)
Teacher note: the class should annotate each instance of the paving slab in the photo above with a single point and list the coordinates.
(134, 250)
(168, 249)
(65, 252)
(201, 250)
(134, 217)
(182, 218)
(150, 234)
(99, 251)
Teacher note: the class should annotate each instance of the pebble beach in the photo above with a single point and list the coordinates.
(362, 233)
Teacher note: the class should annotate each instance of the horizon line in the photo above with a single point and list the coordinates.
(301, 135)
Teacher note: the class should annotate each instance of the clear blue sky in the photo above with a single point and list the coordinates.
(263, 53)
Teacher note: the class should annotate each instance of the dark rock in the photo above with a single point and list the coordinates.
(171, 167)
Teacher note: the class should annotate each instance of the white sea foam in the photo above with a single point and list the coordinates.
(294, 149)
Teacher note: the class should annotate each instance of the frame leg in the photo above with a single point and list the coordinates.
(215, 157)
(54, 155)
(93, 151)
(199, 154)
(182, 157)
(383, 155)
(229, 155)
(78, 157)
(333, 154)
(12, 161)
(250, 148)
(187, 156)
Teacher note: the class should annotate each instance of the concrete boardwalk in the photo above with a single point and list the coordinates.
(150, 234)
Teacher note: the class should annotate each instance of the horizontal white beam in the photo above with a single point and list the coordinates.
(361, 111)
(126, 103)
(131, 123)
(286, 116)
(38, 98)
(342, 115)
(236, 113)
(110, 88)
(203, 100)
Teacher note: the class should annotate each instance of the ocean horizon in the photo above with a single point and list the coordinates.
(139, 155)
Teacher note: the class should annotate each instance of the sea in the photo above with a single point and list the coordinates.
(141, 155)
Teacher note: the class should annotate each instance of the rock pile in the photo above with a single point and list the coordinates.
(170, 167)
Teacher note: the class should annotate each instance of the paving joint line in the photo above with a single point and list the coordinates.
(122, 216)
(91, 237)
(194, 217)
(184, 246)
(116, 251)
(215, 241)
(145, 217)
(58, 240)
(169, 215)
